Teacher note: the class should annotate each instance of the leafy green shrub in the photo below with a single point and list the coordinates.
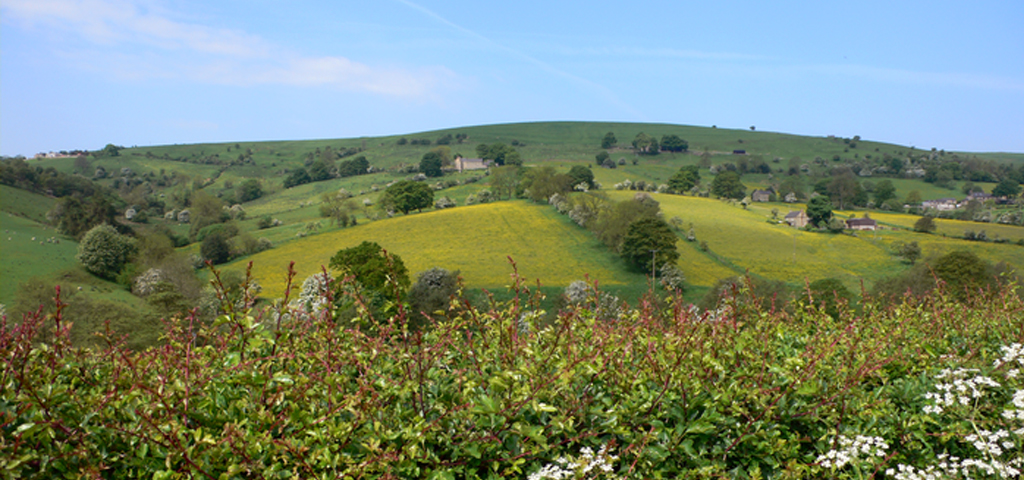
(215, 248)
(746, 391)
(104, 252)
(227, 230)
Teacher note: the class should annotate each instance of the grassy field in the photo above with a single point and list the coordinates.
(477, 240)
(28, 251)
(24, 203)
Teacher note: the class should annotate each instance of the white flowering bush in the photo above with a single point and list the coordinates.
(585, 465)
(981, 428)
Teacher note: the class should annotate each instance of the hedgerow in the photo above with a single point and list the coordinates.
(744, 391)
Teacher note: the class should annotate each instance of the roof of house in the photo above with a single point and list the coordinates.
(767, 192)
(861, 221)
(794, 214)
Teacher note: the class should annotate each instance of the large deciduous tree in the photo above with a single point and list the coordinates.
(609, 140)
(1008, 187)
(672, 143)
(649, 242)
(925, 224)
(505, 180)
(407, 195)
(581, 174)
(819, 211)
(249, 190)
(430, 164)
(884, 191)
(845, 189)
(685, 179)
(104, 252)
(371, 266)
(727, 185)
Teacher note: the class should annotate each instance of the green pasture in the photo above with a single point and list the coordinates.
(29, 249)
(24, 203)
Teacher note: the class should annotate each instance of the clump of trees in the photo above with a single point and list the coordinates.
(500, 153)
(407, 195)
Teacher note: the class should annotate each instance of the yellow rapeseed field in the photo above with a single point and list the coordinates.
(953, 228)
(475, 239)
(745, 241)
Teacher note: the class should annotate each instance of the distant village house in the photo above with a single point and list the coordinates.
(761, 195)
(942, 204)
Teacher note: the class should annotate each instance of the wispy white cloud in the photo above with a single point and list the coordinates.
(138, 41)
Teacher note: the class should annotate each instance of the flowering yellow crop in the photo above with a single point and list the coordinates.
(475, 239)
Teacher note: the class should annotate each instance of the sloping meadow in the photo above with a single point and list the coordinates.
(657, 392)
(477, 240)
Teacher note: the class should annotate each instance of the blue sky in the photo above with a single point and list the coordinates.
(84, 73)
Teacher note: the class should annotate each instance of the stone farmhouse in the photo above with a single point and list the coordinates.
(862, 224)
(463, 164)
(797, 219)
(761, 195)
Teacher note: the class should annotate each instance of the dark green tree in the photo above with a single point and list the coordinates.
(962, 271)
(819, 211)
(407, 195)
(845, 189)
(685, 179)
(356, 166)
(884, 191)
(602, 157)
(371, 266)
(925, 224)
(430, 164)
(581, 174)
(609, 140)
(319, 171)
(1007, 187)
(727, 185)
(215, 248)
(249, 190)
(298, 177)
(649, 240)
(672, 143)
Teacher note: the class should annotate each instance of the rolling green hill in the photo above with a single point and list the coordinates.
(477, 240)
